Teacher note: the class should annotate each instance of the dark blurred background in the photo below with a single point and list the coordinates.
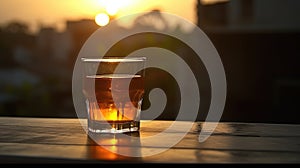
(257, 41)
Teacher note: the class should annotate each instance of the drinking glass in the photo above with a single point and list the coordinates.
(113, 88)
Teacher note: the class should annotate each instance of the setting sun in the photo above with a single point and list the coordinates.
(111, 8)
(102, 19)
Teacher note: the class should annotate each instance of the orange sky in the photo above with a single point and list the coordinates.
(56, 12)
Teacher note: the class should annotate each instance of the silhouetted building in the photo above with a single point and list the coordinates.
(80, 31)
(257, 41)
(250, 15)
(210, 15)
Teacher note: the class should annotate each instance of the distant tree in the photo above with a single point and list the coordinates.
(16, 27)
(151, 18)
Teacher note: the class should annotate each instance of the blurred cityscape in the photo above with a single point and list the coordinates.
(256, 40)
(36, 70)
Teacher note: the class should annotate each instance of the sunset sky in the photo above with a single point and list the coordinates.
(55, 12)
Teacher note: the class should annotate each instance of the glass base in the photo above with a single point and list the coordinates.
(113, 126)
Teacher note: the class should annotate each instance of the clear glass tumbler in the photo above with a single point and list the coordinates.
(114, 89)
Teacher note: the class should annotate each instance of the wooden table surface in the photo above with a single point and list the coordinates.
(61, 140)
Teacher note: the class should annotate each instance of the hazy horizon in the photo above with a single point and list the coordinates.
(40, 13)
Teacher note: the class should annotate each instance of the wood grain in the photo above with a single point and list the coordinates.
(34, 140)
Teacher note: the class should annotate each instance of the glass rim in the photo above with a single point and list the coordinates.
(113, 59)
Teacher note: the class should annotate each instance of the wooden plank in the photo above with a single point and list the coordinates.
(65, 153)
(224, 128)
(69, 131)
(65, 140)
(214, 142)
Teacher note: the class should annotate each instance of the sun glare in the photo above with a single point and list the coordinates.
(102, 19)
(112, 9)
(113, 6)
